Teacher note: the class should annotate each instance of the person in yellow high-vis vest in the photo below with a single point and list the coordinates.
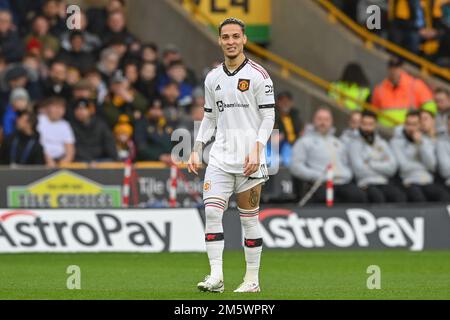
(353, 83)
(399, 93)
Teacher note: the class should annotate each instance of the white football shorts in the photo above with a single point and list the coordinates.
(221, 184)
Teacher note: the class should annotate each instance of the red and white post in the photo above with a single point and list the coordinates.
(126, 184)
(173, 186)
(330, 186)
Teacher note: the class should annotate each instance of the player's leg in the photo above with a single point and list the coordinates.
(217, 189)
(248, 206)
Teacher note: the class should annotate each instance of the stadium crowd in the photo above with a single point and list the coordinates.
(91, 94)
(98, 94)
(420, 26)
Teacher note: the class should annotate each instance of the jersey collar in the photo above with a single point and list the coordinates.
(230, 74)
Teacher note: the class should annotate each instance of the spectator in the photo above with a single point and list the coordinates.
(35, 68)
(176, 72)
(131, 72)
(19, 103)
(94, 140)
(95, 79)
(17, 76)
(407, 19)
(46, 44)
(91, 42)
(147, 83)
(443, 154)
(428, 125)
(116, 25)
(415, 154)
(123, 100)
(55, 12)
(10, 43)
(353, 83)
(56, 84)
(319, 148)
(108, 64)
(289, 124)
(23, 147)
(75, 56)
(118, 44)
(443, 55)
(170, 96)
(442, 98)
(56, 135)
(149, 53)
(170, 54)
(434, 28)
(123, 137)
(153, 136)
(97, 17)
(82, 90)
(353, 128)
(73, 76)
(400, 92)
(373, 162)
(23, 12)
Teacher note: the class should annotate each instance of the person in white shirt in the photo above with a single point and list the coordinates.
(56, 135)
(240, 103)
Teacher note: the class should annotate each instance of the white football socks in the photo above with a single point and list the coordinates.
(214, 238)
(252, 243)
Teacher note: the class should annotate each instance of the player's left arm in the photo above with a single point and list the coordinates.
(264, 94)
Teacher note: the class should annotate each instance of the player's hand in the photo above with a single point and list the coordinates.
(194, 163)
(252, 161)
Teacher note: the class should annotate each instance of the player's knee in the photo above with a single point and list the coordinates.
(249, 221)
(213, 215)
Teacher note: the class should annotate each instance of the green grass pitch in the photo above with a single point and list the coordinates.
(284, 275)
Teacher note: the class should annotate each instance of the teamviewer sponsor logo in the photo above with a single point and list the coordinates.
(87, 230)
(283, 228)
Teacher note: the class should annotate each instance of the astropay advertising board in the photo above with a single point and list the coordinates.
(64, 230)
(377, 227)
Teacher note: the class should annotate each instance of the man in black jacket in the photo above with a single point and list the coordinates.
(11, 46)
(56, 83)
(94, 139)
(23, 147)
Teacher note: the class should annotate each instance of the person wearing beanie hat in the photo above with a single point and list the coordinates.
(19, 101)
(94, 140)
(123, 132)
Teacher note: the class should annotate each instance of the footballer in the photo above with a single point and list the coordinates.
(239, 105)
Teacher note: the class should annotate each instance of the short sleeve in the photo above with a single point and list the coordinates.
(265, 93)
(68, 136)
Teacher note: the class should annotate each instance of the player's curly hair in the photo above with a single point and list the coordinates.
(232, 21)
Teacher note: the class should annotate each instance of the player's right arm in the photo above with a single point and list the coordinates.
(206, 131)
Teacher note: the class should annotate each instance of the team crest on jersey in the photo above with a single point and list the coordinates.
(207, 186)
(243, 85)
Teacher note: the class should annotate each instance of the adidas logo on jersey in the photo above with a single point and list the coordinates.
(218, 87)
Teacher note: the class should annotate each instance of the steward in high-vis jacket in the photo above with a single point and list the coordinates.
(400, 92)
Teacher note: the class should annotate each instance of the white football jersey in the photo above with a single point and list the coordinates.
(235, 99)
